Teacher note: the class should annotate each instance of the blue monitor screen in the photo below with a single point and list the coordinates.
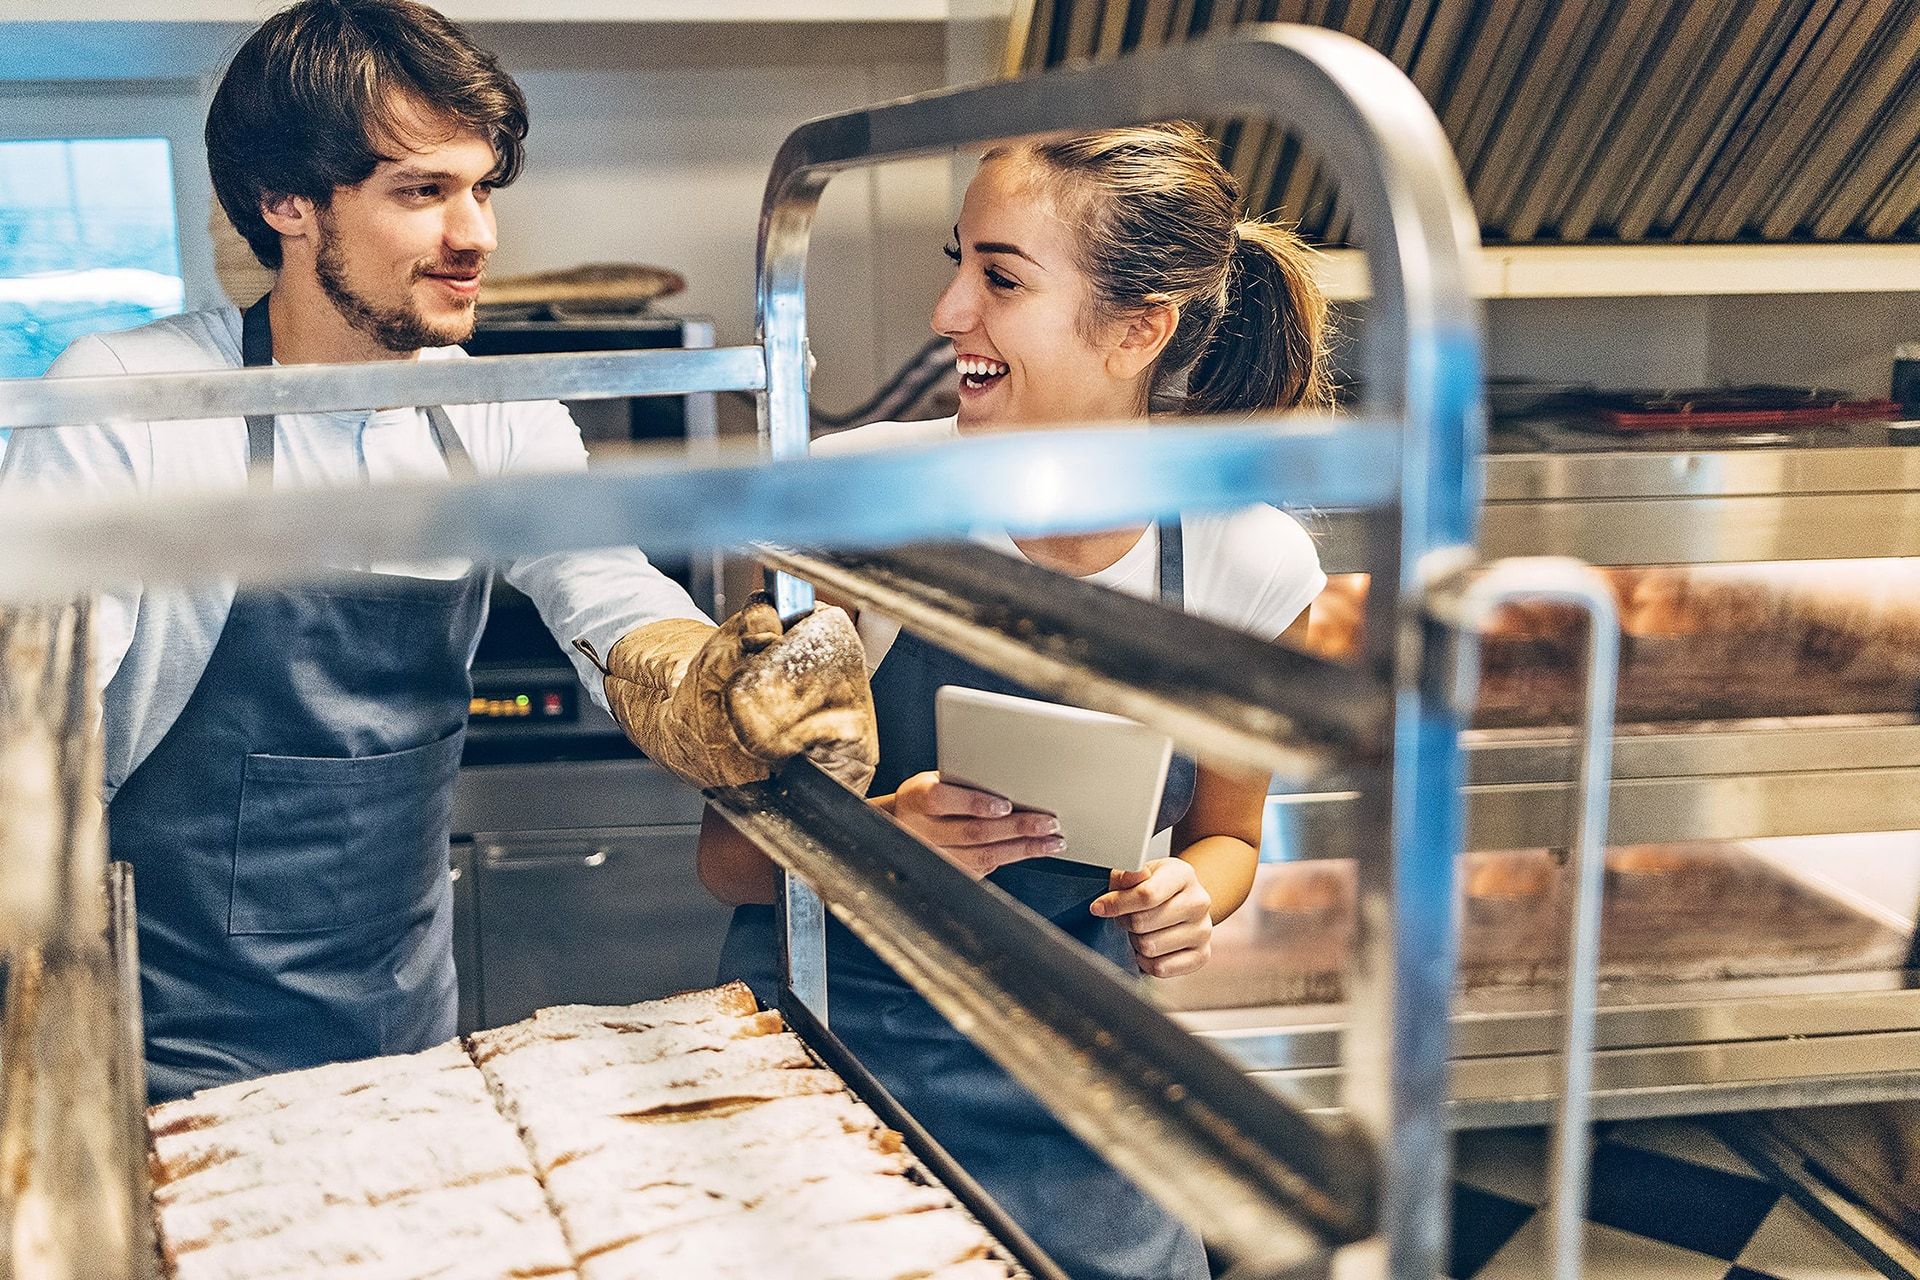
(88, 243)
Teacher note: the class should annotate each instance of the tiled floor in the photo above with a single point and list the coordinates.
(1669, 1203)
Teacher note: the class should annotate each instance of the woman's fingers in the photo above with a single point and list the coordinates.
(975, 832)
(985, 859)
(1183, 936)
(1176, 963)
(945, 799)
(1164, 878)
(1189, 906)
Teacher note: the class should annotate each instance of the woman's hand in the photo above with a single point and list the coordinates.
(976, 831)
(1168, 912)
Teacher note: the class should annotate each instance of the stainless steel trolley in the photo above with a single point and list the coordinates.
(1276, 1190)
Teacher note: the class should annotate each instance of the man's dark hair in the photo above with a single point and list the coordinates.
(315, 99)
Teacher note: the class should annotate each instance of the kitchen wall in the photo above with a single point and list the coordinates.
(1842, 340)
(651, 142)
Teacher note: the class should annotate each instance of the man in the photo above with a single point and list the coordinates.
(280, 760)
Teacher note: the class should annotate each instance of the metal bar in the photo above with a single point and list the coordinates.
(1228, 696)
(235, 393)
(1645, 1015)
(1616, 64)
(1261, 1182)
(1653, 810)
(1882, 51)
(1773, 1145)
(1379, 137)
(129, 1066)
(672, 506)
(1625, 154)
(1678, 1080)
(801, 921)
(1566, 582)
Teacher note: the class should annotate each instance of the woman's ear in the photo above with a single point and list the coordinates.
(1145, 336)
(291, 216)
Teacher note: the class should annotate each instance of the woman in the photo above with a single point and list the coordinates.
(1095, 276)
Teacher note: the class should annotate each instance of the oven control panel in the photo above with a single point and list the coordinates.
(546, 703)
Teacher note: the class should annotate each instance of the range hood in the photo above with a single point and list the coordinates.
(1593, 121)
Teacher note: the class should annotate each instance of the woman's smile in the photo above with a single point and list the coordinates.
(979, 374)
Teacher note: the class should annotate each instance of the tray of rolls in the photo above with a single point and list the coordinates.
(692, 1136)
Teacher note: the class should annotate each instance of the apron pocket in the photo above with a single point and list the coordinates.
(329, 843)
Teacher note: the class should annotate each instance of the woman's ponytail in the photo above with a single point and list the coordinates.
(1269, 347)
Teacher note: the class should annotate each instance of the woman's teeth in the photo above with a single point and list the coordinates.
(977, 371)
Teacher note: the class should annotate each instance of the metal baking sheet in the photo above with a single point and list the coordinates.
(1674, 913)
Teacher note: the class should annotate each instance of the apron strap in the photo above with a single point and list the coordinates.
(459, 461)
(1173, 565)
(256, 352)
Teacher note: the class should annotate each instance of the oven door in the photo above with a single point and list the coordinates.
(598, 916)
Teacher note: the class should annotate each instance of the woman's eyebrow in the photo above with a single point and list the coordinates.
(1001, 246)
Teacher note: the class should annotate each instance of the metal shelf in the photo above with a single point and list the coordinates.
(1739, 780)
(1656, 271)
(1845, 493)
(1661, 1050)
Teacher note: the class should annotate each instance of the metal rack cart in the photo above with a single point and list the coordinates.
(1276, 1190)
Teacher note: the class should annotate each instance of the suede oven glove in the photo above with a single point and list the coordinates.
(721, 706)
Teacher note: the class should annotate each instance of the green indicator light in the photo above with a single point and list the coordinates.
(524, 700)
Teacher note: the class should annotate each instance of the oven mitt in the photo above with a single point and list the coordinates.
(722, 706)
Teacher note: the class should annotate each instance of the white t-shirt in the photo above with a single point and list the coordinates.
(1254, 570)
(158, 642)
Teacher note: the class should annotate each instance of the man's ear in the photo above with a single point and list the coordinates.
(292, 216)
(1145, 336)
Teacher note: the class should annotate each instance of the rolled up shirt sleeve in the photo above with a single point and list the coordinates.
(596, 596)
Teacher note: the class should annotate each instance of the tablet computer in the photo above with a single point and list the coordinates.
(1101, 775)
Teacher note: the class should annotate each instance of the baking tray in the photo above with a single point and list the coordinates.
(1028, 1259)
(1703, 912)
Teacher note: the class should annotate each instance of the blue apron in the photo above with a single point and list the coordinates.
(289, 832)
(1089, 1218)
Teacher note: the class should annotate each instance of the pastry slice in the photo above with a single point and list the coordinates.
(381, 1112)
(608, 1199)
(288, 1187)
(759, 1246)
(496, 1230)
(271, 1093)
(571, 1021)
(564, 1136)
(623, 1088)
(538, 1063)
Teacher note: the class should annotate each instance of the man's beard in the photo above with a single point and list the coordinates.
(400, 328)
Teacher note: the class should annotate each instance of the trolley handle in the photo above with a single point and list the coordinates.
(1467, 609)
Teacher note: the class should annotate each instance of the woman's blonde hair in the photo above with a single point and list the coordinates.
(1158, 223)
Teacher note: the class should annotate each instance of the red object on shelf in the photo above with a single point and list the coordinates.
(1733, 410)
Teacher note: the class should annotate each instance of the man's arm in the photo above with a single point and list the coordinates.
(717, 705)
(85, 461)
